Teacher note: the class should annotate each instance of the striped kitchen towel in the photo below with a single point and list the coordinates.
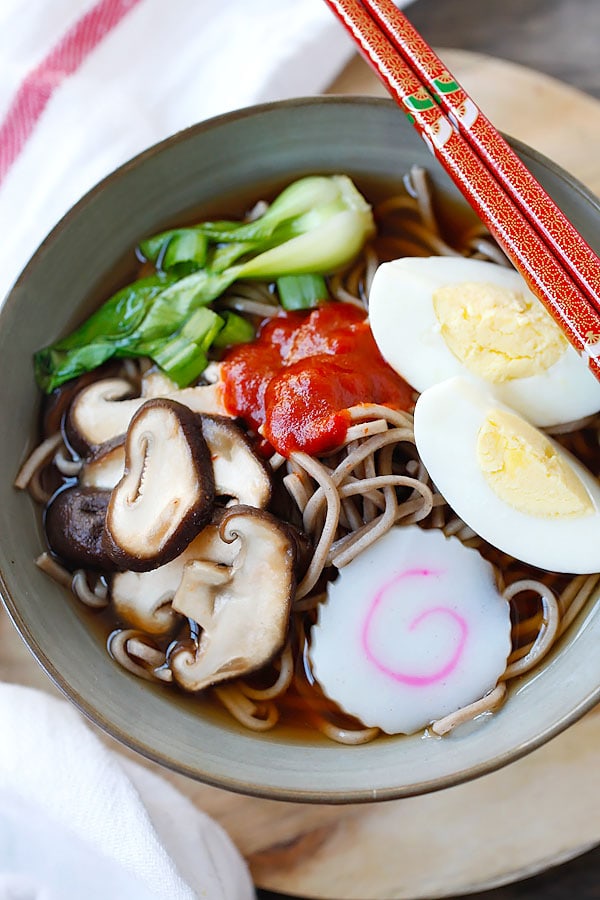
(87, 84)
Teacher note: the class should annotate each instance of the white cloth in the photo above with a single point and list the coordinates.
(158, 69)
(77, 820)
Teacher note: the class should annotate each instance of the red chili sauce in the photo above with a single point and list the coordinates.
(297, 379)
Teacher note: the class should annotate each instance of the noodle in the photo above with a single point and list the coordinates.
(128, 645)
(67, 466)
(431, 242)
(280, 685)
(574, 598)
(348, 464)
(37, 460)
(546, 634)
(484, 249)
(371, 501)
(297, 489)
(347, 548)
(251, 307)
(488, 703)
(256, 717)
(321, 551)
(375, 426)
(350, 517)
(96, 598)
(346, 735)
(58, 573)
(419, 182)
(374, 410)
(254, 299)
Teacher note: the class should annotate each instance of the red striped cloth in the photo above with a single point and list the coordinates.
(87, 84)
(61, 61)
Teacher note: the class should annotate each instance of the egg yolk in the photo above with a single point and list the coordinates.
(526, 471)
(497, 333)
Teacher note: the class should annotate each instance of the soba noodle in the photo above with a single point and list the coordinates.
(346, 501)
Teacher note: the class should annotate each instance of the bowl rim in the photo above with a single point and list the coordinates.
(248, 112)
(87, 708)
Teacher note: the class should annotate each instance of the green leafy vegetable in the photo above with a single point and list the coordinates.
(314, 227)
(301, 291)
(235, 330)
(180, 251)
(184, 355)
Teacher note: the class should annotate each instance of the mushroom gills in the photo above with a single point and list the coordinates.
(166, 494)
(242, 607)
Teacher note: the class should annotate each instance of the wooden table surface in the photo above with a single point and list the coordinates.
(545, 808)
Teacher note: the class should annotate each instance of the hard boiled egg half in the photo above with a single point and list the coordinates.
(436, 317)
(515, 487)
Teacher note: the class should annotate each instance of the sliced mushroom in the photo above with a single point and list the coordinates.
(203, 398)
(104, 469)
(143, 599)
(56, 404)
(74, 523)
(239, 472)
(243, 607)
(166, 494)
(104, 410)
(156, 384)
(100, 412)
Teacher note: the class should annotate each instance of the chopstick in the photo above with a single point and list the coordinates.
(539, 252)
(497, 154)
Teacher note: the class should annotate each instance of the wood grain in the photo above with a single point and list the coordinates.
(537, 812)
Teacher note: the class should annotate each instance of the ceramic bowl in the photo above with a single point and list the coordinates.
(209, 165)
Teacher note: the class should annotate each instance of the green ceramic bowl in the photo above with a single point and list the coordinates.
(208, 166)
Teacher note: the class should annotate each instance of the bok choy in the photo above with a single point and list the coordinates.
(315, 226)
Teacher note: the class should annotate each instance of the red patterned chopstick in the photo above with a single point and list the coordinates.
(508, 169)
(537, 262)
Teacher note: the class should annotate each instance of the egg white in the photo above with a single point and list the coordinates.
(448, 418)
(408, 334)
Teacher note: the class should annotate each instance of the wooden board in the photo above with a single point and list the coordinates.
(535, 813)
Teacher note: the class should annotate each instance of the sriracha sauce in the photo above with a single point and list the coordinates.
(296, 381)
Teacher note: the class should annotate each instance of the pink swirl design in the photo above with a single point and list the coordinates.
(398, 675)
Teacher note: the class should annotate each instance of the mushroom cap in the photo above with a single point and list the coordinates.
(166, 494)
(74, 523)
(243, 608)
